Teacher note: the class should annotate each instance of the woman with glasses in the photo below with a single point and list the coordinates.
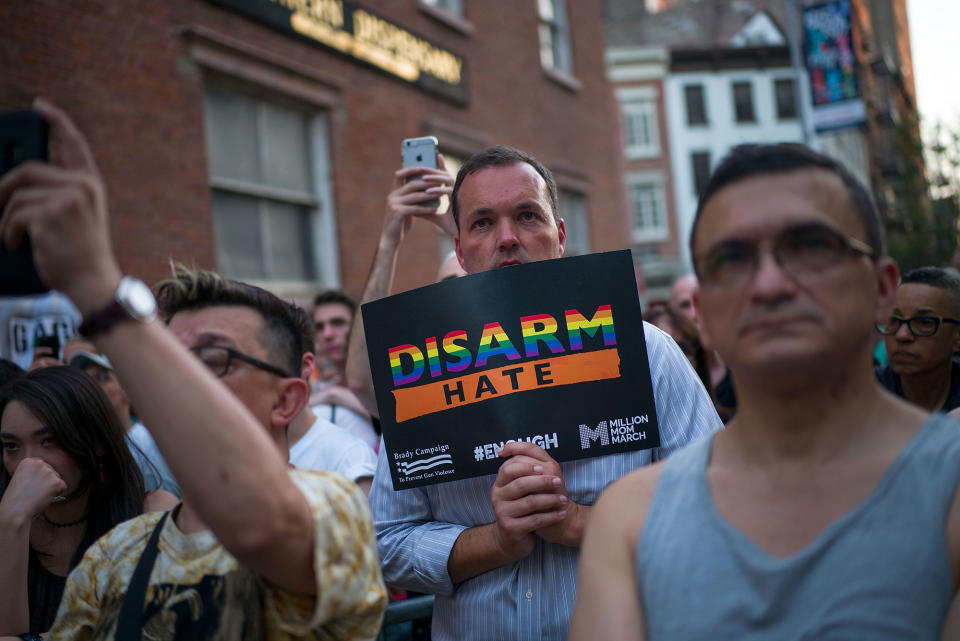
(921, 337)
(67, 478)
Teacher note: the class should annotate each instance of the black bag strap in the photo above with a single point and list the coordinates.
(130, 621)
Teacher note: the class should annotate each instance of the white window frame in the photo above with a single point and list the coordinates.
(319, 202)
(776, 105)
(752, 94)
(655, 181)
(554, 34)
(640, 103)
(686, 105)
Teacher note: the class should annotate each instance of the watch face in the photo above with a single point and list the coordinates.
(137, 297)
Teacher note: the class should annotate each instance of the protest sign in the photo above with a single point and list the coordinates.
(550, 352)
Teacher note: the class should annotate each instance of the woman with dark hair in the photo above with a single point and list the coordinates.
(67, 478)
(684, 331)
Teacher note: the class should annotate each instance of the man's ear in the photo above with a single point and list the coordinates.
(705, 340)
(888, 277)
(291, 399)
(307, 364)
(456, 248)
(562, 236)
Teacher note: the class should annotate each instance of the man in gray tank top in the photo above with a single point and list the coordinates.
(826, 509)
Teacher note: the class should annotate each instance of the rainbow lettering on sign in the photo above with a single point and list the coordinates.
(493, 331)
(546, 333)
(399, 378)
(433, 356)
(409, 362)
(577, 323)
(460, 352)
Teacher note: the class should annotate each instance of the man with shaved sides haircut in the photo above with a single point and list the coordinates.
(827, 507)
(921, 337)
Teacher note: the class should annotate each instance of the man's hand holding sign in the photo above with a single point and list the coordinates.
(542, 477)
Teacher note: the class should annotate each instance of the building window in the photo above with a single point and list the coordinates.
(701, 170)
(743, 102)
(696, 106)
(453, 7)
(265, 195)
(649, 210)
(573, 210)
(640, 129)
(784, 89)
(554, 36)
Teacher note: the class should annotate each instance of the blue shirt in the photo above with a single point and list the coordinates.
(880, 571)
(531, 598)
(156, 474)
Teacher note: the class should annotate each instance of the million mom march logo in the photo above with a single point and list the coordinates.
(550, 352)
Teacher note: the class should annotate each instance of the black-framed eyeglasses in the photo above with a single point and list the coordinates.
(802, 251)
(920, 326)
(217, 358)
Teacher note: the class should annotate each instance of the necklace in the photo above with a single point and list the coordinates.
(55, 524)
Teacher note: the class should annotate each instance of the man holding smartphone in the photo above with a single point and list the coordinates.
(254, 546)
(500, 552)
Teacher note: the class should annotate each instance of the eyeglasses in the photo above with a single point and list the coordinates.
(217, 359)
(802, 251)
(919, 326)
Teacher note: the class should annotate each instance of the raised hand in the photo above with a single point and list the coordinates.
(407, 199)
(62, 207)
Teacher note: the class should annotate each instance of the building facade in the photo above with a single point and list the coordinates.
(260, 137)
(711, 80)
(638, 74)
(719, 99)
(723, 75)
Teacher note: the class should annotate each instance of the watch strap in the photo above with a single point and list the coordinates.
(132, 300)
(103, 319)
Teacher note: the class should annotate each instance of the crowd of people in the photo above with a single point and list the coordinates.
(204, 460)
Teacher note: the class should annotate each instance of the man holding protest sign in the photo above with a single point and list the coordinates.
(500, 552)
(827, 508)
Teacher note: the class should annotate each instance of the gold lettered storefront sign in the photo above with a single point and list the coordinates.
(359, 33)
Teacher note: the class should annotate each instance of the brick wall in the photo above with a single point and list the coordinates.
(123, 69)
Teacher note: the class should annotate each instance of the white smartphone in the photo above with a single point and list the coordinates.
(420, 152)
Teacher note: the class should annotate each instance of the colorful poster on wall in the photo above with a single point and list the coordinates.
(550, 352)
(832, 66)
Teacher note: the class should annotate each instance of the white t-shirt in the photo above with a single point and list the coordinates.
(350, 421)
(24, 318)
(327, 447)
